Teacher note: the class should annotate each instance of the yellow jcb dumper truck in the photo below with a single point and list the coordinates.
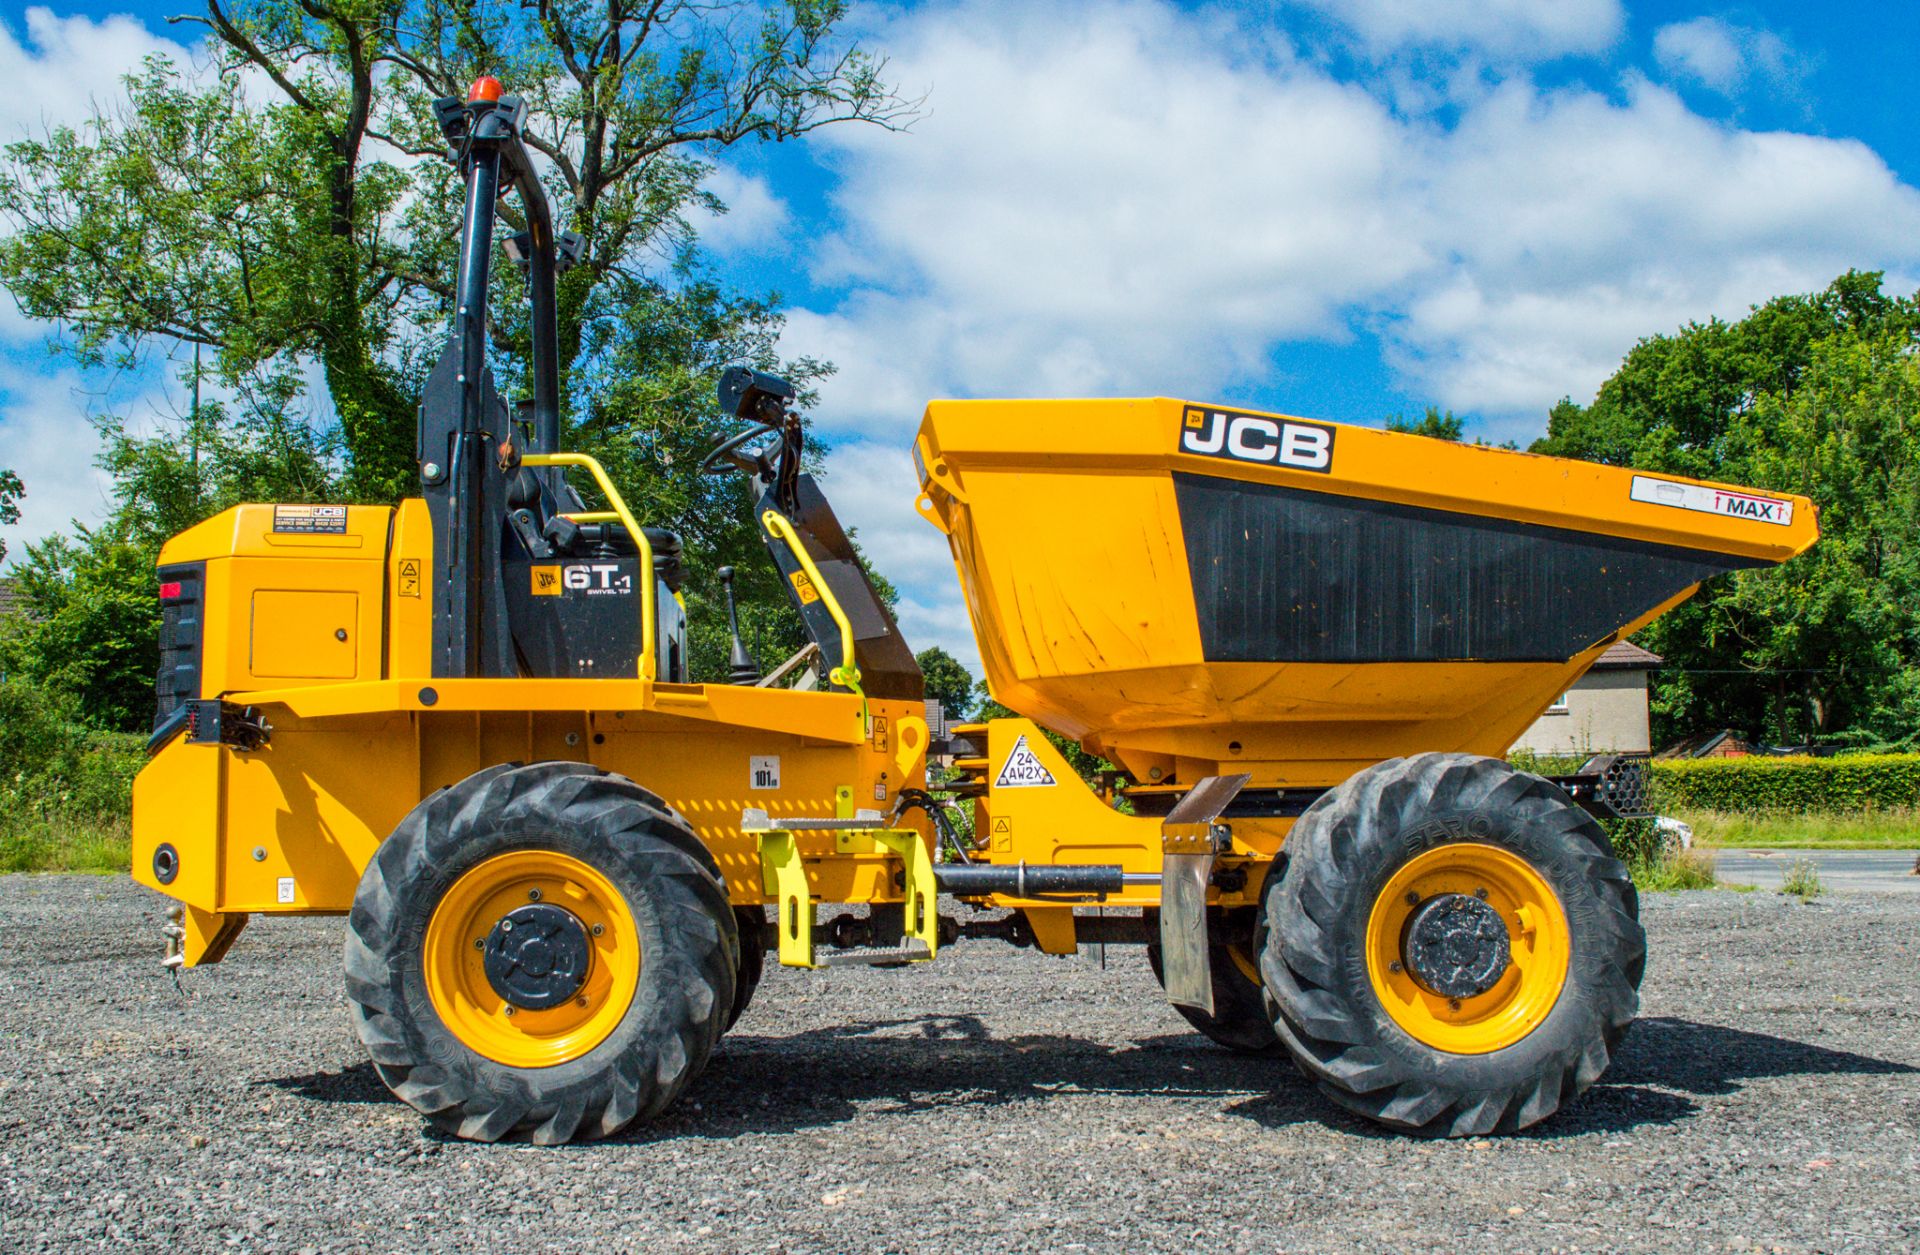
(467, 722)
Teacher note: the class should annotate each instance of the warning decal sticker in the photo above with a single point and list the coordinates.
(410, 577)
(803, 588)
(1023, 770)
(1707, 500)
(310, 519)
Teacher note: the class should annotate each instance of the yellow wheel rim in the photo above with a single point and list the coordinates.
(1244, 961)
(1540, 947)
(456, 973)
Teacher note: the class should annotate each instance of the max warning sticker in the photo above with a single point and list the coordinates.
(1710, 500)
(763, 771)
(1023, 770)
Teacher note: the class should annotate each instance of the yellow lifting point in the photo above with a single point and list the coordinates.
(783, 874)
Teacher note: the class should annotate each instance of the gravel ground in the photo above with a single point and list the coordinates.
(998, 1100)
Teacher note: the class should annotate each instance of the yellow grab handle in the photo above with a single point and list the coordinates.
(640, 542)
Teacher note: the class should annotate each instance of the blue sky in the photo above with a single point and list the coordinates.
(1338, 208)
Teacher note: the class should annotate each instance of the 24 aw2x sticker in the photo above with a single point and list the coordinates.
(1708, 500)
(1256, 438)
(1023, 769)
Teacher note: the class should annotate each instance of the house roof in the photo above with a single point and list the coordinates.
(9, 599)
(1702, 744)
(1627, 656)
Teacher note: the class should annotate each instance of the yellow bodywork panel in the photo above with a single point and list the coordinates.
(1129, 565)
(300, 634)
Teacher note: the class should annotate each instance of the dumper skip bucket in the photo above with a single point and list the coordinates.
(1187, 588)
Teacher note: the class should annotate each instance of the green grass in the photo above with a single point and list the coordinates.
(65, 845)
(1860, 830)
(1681, 869)
(1802, 880)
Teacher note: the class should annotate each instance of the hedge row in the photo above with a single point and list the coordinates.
(1855, 782)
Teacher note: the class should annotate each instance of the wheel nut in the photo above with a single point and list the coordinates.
(581, 1001)
(506, 925)
(598, 929)
(508, 1010)
(479, 943)
(1453, 1004)
(1480, 893)
(1396, 967)
(1413, 899)
(533, 895)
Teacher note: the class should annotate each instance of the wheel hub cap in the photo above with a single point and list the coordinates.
(537, 956)
(1457, 945)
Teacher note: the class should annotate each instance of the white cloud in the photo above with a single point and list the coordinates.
(1128, 199)
(1099, 206)
(1573, 225)
(872, 486)
(1720, 55)
(1524, 29)
(46, 439)
(65, 64)
(755, 220)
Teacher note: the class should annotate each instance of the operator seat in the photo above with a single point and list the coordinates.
(543, 524)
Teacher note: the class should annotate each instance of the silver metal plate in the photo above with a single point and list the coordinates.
(1184, 965)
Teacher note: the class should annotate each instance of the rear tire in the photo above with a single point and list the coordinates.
(1240, 1019)
(1451, 828)
(649, 913)
(752, 921)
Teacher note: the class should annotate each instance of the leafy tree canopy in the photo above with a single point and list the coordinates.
(1816, 394)
(948, 681)
(11, 490)
(293, 217)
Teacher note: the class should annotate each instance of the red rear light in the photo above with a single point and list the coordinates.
(486, 87)
(170, 591)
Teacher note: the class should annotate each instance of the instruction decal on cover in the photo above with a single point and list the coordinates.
(1706, 499)
(310, 518)
(1023, 769)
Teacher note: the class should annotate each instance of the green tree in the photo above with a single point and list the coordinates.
(948, 681)
(11, 490)
(88, 628)
(295, 217)
(1441, 426)
(299, 209)
(1815, 394)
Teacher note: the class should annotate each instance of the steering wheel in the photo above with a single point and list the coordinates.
(726, 455)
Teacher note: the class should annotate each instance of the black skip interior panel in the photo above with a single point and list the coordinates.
(1284, 575)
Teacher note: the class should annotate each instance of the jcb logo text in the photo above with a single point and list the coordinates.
(1257, 438)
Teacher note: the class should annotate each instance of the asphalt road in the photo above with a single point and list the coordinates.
(994, 1101)
(1876, 871)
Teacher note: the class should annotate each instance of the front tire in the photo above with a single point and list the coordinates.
(605, 1004)
(1452, 949)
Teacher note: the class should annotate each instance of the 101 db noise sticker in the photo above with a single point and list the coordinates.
(1023, 769)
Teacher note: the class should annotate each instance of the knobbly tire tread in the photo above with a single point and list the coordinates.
(1240, 1020)
(1312, 946)
(754, 930)
(689, 943)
